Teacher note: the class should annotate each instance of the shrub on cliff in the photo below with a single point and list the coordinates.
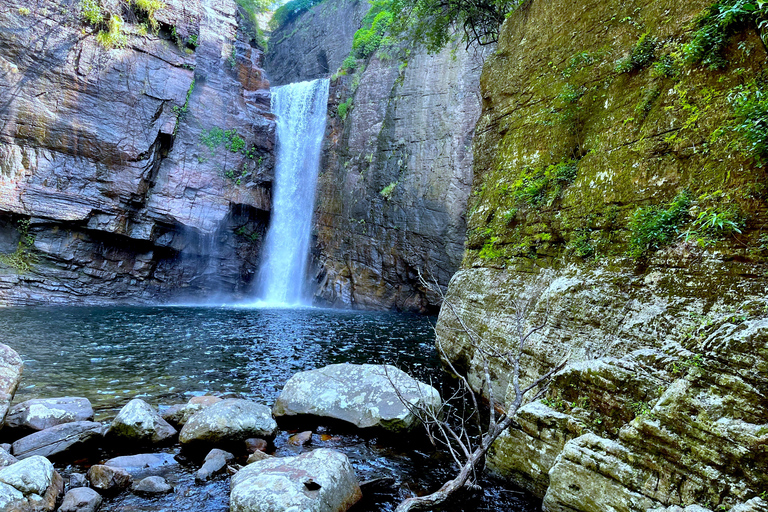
(290, 11)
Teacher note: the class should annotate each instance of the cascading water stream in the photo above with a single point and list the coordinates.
(301, 109)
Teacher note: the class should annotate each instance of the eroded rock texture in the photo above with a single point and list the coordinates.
(108, 154)
(664, 401)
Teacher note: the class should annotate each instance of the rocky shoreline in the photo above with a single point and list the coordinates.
(55, 457)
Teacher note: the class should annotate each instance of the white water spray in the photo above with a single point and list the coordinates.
(301, 109)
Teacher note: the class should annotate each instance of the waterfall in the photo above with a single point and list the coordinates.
(301, 109)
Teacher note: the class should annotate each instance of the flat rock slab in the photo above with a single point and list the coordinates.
(318, 481)
(144, 464)
(228, 422)
(40, 414)
(76, 437)
(11, 366)
(139, 423)
(364, 395)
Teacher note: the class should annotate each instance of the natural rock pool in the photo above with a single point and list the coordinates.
(165, 355)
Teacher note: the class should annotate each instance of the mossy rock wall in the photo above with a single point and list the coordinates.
(575, 137)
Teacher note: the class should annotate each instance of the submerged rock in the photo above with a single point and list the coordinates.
(229, 422)
(39, 414)
(144, 464)
(301, 438)
(81, 499)
(69, 438)
(364, 395)
(11, 366)
(139, 423)
(318, 481)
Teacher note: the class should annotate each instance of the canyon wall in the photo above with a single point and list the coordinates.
(397, 165)
(136, 170)
(617, 200)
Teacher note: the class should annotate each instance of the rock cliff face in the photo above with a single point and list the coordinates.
(130, 173)
(314, 44)
(397, 167)
(594, 132)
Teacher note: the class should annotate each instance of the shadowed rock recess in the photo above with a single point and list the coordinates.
(134, 172)
(665, 400)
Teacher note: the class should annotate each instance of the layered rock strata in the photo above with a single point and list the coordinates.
(132, 171)
(594, 126)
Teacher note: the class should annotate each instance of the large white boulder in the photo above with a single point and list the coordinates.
(30, 484)
(228, 422)
(322, 480)
(364, 395)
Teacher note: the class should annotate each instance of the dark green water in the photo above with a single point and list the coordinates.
(167, 354)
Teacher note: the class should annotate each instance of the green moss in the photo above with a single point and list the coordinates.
(343, 108)
(91, 12)
(386, 192)
(148, 8)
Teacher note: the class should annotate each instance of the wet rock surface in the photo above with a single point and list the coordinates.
(144, 464)
(363, 395)
(152, 485)
(108, 480)
(320, 481)
(215, 463)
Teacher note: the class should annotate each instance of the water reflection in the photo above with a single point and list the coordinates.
(167, 354)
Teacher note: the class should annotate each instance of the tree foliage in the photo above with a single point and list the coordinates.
(290, 10)
(434, 22)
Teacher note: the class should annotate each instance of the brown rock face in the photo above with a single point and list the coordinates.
(141, 168)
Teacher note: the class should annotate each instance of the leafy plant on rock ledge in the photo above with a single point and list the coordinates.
(22, 259)
(653, 227)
